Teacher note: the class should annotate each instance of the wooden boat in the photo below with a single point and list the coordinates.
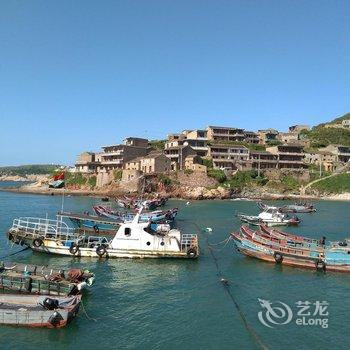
(132, 240)
(284, 235)
(291, 208)
(90, 222)
(270, 217)
(153, 216)
(134, 203)
(333, 256)
(25, 278)
(38, 310)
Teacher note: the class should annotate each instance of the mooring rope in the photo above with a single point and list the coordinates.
(225, 284)
(86, 314)
(20, 251)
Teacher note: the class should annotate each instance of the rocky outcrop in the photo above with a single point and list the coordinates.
(200, 192)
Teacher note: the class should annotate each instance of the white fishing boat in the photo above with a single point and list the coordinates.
(270, 217)
(132, 240)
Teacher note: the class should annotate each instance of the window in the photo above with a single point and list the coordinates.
(127, 231)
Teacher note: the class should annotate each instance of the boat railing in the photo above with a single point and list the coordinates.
(45, 228)
(188, 240)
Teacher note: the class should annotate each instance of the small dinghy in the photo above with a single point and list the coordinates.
(154, 216)
(38, 310)
(290, 208)
(93, 223)
(33, 279)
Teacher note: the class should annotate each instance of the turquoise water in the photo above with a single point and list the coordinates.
(174, 304)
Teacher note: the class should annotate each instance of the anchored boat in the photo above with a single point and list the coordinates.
(93, 223)
(154, 216)
(292, 208)
(293, 250)
(270, 217)
(25, 278)
(37, 311)
(132, 240)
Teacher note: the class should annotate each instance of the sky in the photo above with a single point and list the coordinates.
(78, 75)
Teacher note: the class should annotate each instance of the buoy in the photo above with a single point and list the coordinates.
(188, 203)
(224, 281)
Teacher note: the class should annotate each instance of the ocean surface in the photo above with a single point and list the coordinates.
(181, 304)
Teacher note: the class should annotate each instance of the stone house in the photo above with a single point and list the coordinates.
(195, 163)
(155, 162)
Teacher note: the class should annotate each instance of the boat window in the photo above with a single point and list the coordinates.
(148, 243)
(127, 231)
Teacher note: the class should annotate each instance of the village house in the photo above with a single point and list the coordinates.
(290, 156)
(177, 154)
(251, 137)
(195, 163)
(227, 156)
(198, 140)
(342, 153)
(86, 163)
(267, 135)
(222, 133)
(114, 156)
(262, 160)
(326, 159)
(154, 162)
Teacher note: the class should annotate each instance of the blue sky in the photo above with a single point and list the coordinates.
(76, 75)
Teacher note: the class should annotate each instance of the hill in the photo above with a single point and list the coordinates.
(31, 169)
(322, 136)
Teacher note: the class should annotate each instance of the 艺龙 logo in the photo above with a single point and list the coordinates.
(276, 313)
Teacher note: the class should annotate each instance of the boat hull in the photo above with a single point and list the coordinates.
(27, 311)
(114, 253)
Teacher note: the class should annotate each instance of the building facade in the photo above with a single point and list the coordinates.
(267, 135)
(289, 156)
(222, 133)
(114, 156)
(228, 156)
(342, 153)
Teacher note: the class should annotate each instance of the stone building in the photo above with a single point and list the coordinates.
(267, 135)
(341, 153)
(290, 156)
(227, 156)
(262, 160)
(195, 163)
(86, 163)
(177, 154)
(154, 162)
(114, 156)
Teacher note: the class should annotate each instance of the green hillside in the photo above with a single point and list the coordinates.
(320, 136)
(32, 169)
(336, 184)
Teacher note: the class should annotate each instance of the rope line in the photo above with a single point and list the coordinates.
(20, 251)
(87, 316)
(226, 285)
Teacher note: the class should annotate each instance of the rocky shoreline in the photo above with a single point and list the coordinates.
(181, 192)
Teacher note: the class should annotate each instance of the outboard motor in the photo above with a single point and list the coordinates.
(50, 304)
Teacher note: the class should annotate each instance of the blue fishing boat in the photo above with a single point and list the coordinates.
(91, 222)
(286, 249)
(154, 216)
